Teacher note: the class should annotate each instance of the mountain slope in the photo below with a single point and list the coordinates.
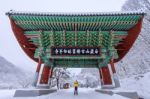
(11, 76)
(138, 58)
(135, 66)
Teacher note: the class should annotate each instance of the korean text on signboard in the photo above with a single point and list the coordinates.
(75, 51)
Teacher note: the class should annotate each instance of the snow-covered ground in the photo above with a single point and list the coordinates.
(139, 83)
(64, 94)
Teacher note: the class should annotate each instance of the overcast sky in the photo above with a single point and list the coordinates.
(9, 47)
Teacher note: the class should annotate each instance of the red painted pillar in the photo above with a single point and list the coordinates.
(39, 66)
(112, 66)
(51, 73)
(106, 77)
(100, 73)
(45, 75)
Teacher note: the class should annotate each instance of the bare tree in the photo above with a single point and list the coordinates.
(25, 83)
(58, 73)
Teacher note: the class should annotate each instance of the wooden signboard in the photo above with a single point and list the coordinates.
(75, 51)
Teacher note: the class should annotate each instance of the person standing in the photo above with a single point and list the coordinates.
(76, 84)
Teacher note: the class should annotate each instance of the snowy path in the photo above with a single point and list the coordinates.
(64, 94)
(83, 94)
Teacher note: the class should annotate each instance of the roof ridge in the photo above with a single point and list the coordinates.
(12, 12)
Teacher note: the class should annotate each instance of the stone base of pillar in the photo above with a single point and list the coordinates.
(129, 94)
(43, 86)
(24, 93)
(107, 86)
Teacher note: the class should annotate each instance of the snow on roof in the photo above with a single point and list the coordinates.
(12, 12)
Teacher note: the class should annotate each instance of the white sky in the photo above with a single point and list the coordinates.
(9, 47)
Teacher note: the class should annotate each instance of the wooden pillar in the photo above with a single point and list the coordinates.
(106, 76)
(112, 66)
(100, 73)
(51, 73)
(45, 75)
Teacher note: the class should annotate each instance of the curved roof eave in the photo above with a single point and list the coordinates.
(11, 12)
(129, 40)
